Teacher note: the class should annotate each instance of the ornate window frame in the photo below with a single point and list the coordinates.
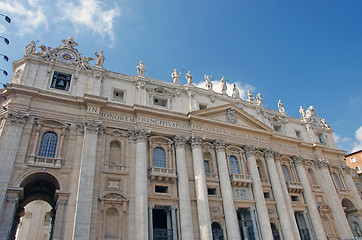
(209, 149)
(42, 127)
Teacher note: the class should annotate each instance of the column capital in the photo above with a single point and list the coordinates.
(91, 126)
(174, 207)
(268, 153)
(298, 160)
(249, 150)
(151, 206)
(196, 141)
(219, 145)
(322, 163)
(179, 141)
(346, 169)
(137, 135)
(17, 117)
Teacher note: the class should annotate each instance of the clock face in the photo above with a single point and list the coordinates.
(66, 56)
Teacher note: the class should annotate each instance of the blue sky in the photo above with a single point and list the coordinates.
(302, 52)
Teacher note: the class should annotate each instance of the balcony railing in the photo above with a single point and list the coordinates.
(294, 187)
(240, 180)
(343, 191)
(162, 174)
(162, 234)
(114, 168)
(45, 162)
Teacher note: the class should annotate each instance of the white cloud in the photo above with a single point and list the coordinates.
(243, 89)
(358, 144)
(27, 16)
(90, 14)
(34, 16)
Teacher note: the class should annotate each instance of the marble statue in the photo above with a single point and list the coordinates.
(30, 48)
(141, 69)
(310, 113)
(236, 93)
(281, 107)
(259, 100)
(175, 76)
(189, 78)
(251, 98)
(44, 52)
(208, 82)
(302, 112)
(223, 85)
(100, 58)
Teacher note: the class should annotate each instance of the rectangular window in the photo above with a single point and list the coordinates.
(61, 81)
(298, 134)
(118, 95)
(295, 198)
(207, 166)
(161, 189)
(212, 191)
(321, 139)
(202, 106)
(266, 195)
(160, 102)
(353, 159)
(278, 129)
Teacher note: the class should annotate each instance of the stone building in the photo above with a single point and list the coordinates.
(131, 157)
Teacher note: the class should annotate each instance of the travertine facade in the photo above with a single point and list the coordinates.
(131, 157)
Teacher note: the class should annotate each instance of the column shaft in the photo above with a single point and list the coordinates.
(231, 219)
(201, 191)
(282, 209)
(335, 203)
(187, 231)
(309, 199)
(261, 208)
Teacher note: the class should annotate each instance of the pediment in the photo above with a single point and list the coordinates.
(232, 115)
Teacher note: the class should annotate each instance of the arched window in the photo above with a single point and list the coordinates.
(337, 181)
(115, 152)
(159, 157)
(286, 173)
(217, 232)
(48, 145)
(234, 165)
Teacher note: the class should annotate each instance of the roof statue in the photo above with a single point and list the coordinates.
(175, 76)
(236, 93)
(189, 78)
(251, 98)
(281, 107)
(310, 117)
(223, 85)
(141, 69)
(100, 58)
(69, 42)
(30, 48)
(208, 82)
(259, 100)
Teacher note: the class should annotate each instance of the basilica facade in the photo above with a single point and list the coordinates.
(130, 157)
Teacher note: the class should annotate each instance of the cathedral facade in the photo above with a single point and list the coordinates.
(130, 157)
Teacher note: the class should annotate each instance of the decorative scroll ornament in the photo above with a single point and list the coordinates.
(268, 153)
(298, 160)
(196, 141)
(137, 135)
(17, 117)
(219, 145)
(249, 150)
(230, 115)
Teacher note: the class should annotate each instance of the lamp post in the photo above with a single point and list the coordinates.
(4, 72)
(6, 18)
(5, 57)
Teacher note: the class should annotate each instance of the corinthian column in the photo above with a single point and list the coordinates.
(201, 190)
(84, 204)
(231, 219)
(186, 230)
(309, 199)
(334, 202)
(13, 130)
(261, 208)
(282, 209)
(141, 205)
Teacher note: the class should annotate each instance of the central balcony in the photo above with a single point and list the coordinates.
(162, 174)
(240, 180)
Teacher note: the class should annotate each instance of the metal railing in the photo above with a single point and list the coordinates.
(162, 234)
